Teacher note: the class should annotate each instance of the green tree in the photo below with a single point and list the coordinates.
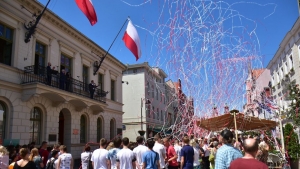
(293, 112)
(291, 141)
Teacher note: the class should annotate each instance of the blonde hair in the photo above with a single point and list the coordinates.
(23, 152)
(110, 146)
(3, 151)
(34, 152)
(193, 142)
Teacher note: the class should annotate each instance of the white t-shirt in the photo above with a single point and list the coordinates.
(178, 150)
(126, 157)
(99, 159)
(161, 150)
(207, 152)
(138, 152)
(85, 159)
(65, 161)
(196, 157)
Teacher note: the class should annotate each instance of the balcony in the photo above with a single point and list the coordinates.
(38, 74)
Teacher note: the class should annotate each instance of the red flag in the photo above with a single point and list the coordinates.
(132, 40)
(87, 8)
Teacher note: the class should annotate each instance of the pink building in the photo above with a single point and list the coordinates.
(257, 84)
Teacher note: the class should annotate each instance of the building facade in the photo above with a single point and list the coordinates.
(257, 89)
(145, 99)
(44, 104)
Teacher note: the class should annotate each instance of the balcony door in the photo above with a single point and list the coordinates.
(39, 60)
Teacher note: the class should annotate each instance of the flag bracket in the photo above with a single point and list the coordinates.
(32, 24)
(98, 64)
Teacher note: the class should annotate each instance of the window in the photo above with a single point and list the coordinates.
(148, 112)
(281, 72)
(156, 94)
(286, 68)
(157, 114)
(162, 115)
(99, 129)
(112, 128)
(161, 96)
(40, 58)
(291, 62)
(85, 78)
(153, 109)
(83, 124)
(35, 125)
(112, 90)
(148, 88)
(134, 70)
(3, 112)
(65, 63)
(100, 81)
(6, 41)
(152, 90)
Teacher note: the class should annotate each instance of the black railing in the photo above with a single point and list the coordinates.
(55, 79)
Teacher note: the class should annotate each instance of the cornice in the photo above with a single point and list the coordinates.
(54, 19)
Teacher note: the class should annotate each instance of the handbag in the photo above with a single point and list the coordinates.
(211, 157)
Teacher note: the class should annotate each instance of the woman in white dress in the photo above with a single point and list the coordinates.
(86, 157)
(65, 160)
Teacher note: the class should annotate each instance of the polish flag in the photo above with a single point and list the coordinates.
(132, 40)
(86, 6)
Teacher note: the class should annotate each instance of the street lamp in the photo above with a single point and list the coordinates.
(147, 102)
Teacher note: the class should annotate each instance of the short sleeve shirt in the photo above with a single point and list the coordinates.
(242, 163)
(160, 149)
(112, 156)
(170, 154)
(225, 155)
(99, 158)
(187, 152)
(150, 158)
(125, 157)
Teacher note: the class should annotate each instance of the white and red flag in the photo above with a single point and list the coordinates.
(86, 6)
(132, 40)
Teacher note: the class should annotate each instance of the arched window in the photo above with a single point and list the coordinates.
(99, 129)
(35, 125)
(112, 128)
(83, 129)
(3, 111)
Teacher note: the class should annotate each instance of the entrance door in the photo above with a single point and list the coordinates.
(61, 129)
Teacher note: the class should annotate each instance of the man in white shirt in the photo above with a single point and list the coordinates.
(177, 148)
(160, 149)
(139, 151)
(98, 158)
(125, 157)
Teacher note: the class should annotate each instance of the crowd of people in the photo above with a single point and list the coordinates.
(218, 152)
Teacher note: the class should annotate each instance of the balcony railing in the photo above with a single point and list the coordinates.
(39, 74)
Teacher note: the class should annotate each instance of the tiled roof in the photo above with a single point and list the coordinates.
(257, 72)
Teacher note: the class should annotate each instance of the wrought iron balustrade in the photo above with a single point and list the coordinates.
(39, 74)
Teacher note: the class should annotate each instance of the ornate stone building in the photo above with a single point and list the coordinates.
(40, 104)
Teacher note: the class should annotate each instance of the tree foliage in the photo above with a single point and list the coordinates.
(293, 112)
(291, 141)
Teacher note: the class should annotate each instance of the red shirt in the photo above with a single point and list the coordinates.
(44, 153)
(170, 154)
(243, 163)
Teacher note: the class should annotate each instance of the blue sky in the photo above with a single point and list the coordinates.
(205, 43)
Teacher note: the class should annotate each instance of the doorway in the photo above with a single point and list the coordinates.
(64, 128)
(61, 131)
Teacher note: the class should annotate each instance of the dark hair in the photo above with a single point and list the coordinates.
(44, 142)
(150, 143)
(140, 139)
(186, 139)
(54, 153)
(227, 135)
(117, 142)
(103, 142)
(250, 148)
(125, 141)
(87, 148)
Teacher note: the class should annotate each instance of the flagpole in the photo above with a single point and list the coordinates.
(102, 58)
